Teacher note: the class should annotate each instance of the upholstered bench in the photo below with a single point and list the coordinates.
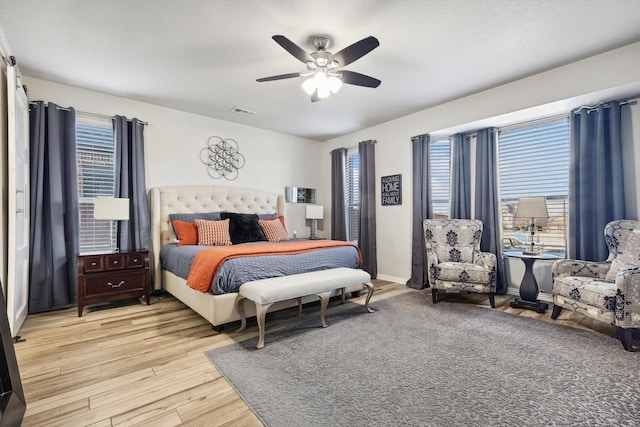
(322, 283)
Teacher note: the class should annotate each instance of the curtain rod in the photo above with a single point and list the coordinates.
(100, 116)
(356, 146)
(591, 108)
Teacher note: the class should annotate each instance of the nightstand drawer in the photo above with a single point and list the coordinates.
(115, 261)
(135, 260)
(114, 283)
(93, 263)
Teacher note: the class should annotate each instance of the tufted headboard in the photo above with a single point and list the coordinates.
(202, 198)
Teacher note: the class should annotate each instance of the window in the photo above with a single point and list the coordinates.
(96, 178)
(534, 161)
(440, 165)
(352, 193)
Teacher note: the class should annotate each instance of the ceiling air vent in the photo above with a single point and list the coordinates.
(243, 111)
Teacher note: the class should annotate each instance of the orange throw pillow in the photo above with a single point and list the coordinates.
(273, 229)
(213, 233)
(187, 232)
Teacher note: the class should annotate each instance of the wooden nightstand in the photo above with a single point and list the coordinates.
(113, 276)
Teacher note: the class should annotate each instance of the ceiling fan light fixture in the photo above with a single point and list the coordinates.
(324, 91)
(334, 84)
(309, 86)
(323, 76)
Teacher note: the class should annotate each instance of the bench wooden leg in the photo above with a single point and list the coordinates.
(243, 318)
(261, 313)
(324, 302)
(299, 299)
(369, 295)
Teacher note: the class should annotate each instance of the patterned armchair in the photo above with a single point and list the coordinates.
(607, 291)
(454, 261)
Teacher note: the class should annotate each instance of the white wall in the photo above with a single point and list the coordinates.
(173, 140)
(606, 76)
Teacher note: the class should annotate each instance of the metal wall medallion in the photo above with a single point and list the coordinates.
(222, 157)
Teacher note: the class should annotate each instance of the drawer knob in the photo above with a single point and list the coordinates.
(115, 261)
(116, 286)
(135, 260)
(93, 264)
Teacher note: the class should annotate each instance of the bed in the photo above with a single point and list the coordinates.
(218, 309)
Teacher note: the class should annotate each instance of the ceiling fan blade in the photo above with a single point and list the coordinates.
(278, 77)
(292, 48)
(353, 78)
(315, 97)
(356, 51)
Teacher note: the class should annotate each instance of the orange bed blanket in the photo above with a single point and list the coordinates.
(207, 262)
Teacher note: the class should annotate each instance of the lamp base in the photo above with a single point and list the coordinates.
(314, 230)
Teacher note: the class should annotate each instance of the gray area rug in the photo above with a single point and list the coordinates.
(412, 363)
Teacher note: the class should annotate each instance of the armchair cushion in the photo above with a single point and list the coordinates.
(464, 272)
(600, 294)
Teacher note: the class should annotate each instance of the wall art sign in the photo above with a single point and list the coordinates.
(391, 187)
(222, 157)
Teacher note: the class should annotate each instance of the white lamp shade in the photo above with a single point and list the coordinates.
(111, 208)
(314, 212)
(532, 207)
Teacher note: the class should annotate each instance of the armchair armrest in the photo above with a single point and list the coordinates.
(486, 259)
(627, 309)
(575, 267)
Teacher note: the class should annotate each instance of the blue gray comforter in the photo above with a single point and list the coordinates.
(237, 271)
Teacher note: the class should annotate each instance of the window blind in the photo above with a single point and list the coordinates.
(96, 178)
(534, 161)
(352, 192)
(440, 177)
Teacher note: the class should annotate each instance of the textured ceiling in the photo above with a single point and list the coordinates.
(203, 56)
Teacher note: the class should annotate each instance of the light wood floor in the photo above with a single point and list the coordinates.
(133, 364)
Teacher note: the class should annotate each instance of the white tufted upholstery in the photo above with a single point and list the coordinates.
(268, 291)
(202, 198)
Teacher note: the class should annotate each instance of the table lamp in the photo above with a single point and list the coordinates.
(532, 208)
(112, 209)
(314, 213)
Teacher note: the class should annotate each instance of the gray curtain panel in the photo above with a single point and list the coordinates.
(599, 179)
(54, 215)
(422, 209)
(367, 226)
(130, 183)
(460, 177)
(338, 207)
(487, 199)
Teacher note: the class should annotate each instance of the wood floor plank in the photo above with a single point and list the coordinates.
(169, 404)
(128, 364)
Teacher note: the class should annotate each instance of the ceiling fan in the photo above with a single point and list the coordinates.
(324, 67)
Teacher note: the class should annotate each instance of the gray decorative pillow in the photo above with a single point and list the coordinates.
(192, 216)
(268, 216)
